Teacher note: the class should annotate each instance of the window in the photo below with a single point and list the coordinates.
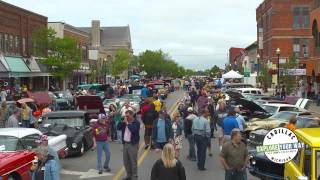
(297, 158)
(296, 47)
(30, 141)
(318, 164)
(307, 163)
(296, 18)
(24, 46)
(6, 42)
(10, 43)
(1, 42)
(317, 3)
(305, 48)
(305, 17)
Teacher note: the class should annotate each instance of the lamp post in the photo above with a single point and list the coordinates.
(258, 64)
(105, 70)
(278, 51)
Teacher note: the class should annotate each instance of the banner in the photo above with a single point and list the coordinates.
(296, 72)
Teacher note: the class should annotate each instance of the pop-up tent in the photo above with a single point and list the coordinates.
(232, 75)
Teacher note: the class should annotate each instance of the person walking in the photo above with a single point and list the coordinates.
(168, 167)
(130, 128)
(113, 125)
(240, 119)
(193, 96)
(44, 166)
(201, 131)
(162, 130)
(4, 114)
(26, 116)
(118, 118)
(189, 135)
(157, 103)
(100, 132)
(234, 157)
(177, 133)
(13, 121)
(202, 101)
(220, 114)
(148, 116)
(229, 123)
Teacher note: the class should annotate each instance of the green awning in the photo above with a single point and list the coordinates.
(16, 64)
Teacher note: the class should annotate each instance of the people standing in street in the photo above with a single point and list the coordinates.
(168, 167)
(144, 92)
(3, 95)
(100, 141)
(229, 123)
(189, 135)
(44, 141)
(118, 119)
(157, 103)
(13, 121)
(130, 128)
(162, 131)
(177, 133)
(201, 131)
(113, 125)
(283, 92)
(4, 114)
(234, 157)
(148, 116)
(240, 119)
(26, 115)
(202, 101)
(220, 114)
(193, 96)
(44, 166)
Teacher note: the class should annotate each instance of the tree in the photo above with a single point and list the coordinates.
(214, 71)
(61, 55)
(121, 62)
(289, 80)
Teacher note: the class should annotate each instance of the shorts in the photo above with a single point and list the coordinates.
(147, 131)
(220, 131)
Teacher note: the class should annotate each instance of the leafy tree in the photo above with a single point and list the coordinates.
(121, 62)
(214, 71)
(288, 80)
(62, 55)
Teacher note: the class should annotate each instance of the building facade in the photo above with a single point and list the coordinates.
(251, 63)
(17, 65)
(81, 75)
(105, 42)
(285, 25)
(315, 20)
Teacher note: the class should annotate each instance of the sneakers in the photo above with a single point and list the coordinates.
(100, 172)
(108, 169)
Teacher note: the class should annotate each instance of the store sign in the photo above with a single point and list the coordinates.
(297, 72)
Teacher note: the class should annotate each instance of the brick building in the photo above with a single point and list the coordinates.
(315, 20)
(17, 66)
(66, 30)
(286, 25)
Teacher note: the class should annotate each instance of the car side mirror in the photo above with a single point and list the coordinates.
(303, 178)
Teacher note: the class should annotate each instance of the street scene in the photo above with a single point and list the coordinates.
(168, 90)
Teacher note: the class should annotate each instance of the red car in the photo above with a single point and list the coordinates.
(16, 164)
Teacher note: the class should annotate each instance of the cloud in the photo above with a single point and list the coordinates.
(196, 33)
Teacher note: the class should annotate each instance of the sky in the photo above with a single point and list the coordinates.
(197, 34)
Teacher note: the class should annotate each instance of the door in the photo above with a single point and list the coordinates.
(293, 169)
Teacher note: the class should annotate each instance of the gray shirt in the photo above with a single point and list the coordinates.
(201, 126)
(12, 122)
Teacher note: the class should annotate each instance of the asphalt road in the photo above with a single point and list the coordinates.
(84, 167)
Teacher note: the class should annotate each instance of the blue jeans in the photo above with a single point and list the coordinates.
(235, 175)
(192, 150)
(25, 123)
(160, 145)
(103, 146)
(201, 143)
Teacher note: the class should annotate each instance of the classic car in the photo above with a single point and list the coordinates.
(99, 89)
(304, 120)
(235, 85)
(250, 109)
(74, 124)
(62, 103)
(89, 103)
(16, 151)
(159, 88)
(26, 139)
(273, 121)
(306, 164)
(274, 108)
(132, 100)
(15, 165)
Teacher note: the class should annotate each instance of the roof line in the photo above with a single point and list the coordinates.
(25, 10)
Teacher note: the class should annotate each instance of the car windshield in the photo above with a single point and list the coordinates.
(69, 121)
(283, 116)
(8, 143)
(305, 122)
(270, 109)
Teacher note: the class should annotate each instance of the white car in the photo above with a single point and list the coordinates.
(26, 138)
(277, 107)
(253, 91)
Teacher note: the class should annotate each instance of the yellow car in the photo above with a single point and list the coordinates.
(306, 165)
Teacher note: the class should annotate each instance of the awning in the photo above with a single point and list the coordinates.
(16, 64)
(25, 74)
(32, 64)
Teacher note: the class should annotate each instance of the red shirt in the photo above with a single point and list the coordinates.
(100, 131)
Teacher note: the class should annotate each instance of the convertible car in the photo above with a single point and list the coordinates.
(16, 151)
(74, 124)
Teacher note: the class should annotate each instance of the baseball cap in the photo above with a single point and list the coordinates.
(102, 116)
(190, 109)
(42, 138)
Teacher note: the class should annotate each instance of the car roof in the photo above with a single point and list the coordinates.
(309, 135)
(65, 113)
(242, 89)
(279, 105)
(18, 132)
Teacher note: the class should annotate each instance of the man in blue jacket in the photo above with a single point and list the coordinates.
(162, 130)
(130, 128)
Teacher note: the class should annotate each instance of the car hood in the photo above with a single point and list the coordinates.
(266, 124)
(8, 157)
(252, 106)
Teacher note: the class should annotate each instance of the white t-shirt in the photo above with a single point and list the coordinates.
(3, 95)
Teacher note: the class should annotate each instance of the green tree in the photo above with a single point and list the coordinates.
(121, 62)
(289, 80)
(61, 55)
(214, 71)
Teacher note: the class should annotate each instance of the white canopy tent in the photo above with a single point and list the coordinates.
(232, 75)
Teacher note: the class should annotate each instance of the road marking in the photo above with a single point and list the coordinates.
(92, 173)
(146, 152)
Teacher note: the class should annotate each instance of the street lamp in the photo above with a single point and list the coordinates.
(278, 51)
(258, 64)
(105, 70)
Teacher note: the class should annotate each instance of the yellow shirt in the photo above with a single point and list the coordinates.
(157, 105)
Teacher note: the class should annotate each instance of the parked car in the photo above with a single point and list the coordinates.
(133, 100)
(62, 103)
(235, 85)
(253, 91)
(89, 103)
(304, 120)
(304, 166)
(277, 107)
(250, 109)
(74, 124)
(15, 139)
(273, 121)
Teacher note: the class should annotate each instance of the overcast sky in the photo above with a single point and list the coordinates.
(196, 33)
